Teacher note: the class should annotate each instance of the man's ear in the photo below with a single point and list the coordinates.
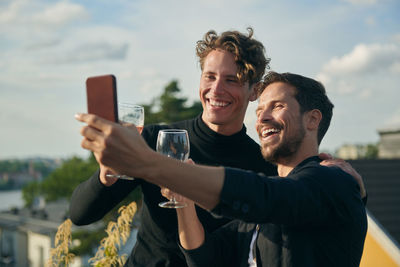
(253, 95)
(313, 118)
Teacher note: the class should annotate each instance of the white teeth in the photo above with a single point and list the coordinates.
(270, 130)
(218, 103)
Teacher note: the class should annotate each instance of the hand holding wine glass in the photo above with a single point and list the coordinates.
(173, 143)
(129, 113)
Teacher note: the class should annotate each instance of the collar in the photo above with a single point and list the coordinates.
(213, 137)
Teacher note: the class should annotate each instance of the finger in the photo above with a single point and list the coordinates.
(327, 163)
(165, 192)
(93, 121)
(334, 161)
(90, 133)
(179, 198)
(127, 124)
(88, 144)
(324, 156)
(190, 161)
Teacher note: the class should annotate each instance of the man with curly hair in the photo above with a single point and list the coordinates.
(231, 63)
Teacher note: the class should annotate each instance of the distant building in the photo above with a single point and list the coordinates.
(389, 145)
(26, 236)
(351, 152)
(387, 148)
(382, 181)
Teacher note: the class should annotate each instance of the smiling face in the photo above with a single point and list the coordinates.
(223, 97)
(279, 122)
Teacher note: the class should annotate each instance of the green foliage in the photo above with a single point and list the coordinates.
(16, 165)
(169, 107)
(13, 165)
(30, 191)
(34, 168)
(371, 151)
(62, 181)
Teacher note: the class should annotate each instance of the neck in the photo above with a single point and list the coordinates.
(287, 164)
(226, 130)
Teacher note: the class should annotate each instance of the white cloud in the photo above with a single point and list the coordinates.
(60, 13)
(23, 18)
(362, 68)
(11, 12)
(361, 2)
(95, 51)
(364, 59)
(363, 84)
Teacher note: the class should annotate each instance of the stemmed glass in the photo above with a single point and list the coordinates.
(129, 113)
(173, 143)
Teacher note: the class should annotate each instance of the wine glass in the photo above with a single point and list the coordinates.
(129, 113)
(173, 143)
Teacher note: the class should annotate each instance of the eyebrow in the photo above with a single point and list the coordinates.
(228, 75)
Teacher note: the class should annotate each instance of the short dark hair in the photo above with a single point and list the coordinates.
(310, 94)
(249, 53)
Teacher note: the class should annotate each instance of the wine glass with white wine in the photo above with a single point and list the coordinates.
(173, 143)
(129, 113)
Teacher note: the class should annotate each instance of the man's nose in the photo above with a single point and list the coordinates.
(217, 87)
(264, 116)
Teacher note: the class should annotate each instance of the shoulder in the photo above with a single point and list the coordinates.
(332, 179)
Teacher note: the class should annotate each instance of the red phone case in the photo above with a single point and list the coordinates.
(101, 94)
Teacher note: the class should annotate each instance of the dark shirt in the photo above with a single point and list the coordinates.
(156, 240)
(313, 217)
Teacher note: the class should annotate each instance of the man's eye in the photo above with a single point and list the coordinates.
(278, 106)
(232, 80)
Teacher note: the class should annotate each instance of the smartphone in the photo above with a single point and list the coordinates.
(101, 94)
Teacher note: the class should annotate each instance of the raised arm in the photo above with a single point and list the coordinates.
(278, 201)
(125, 151)
(91, 200)
(190, 229)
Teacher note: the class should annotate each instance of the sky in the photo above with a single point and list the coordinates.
(49, 48)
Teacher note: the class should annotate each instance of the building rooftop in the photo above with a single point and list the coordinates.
(43, 221)
(382, 180)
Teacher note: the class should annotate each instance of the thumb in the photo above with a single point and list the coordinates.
(190, 161)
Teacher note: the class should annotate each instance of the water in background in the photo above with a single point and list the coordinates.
(9, 199)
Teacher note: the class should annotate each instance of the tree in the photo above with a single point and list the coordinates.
(169, 107)
(371, 151)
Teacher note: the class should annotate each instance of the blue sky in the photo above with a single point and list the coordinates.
(49, 48)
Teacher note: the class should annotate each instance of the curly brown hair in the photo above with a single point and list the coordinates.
(249, 53)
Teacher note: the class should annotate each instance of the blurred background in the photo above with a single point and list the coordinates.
(48, 48)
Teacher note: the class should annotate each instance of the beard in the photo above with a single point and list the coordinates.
(287, 147)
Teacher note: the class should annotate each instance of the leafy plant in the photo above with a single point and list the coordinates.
(117, 234)
(59, 255)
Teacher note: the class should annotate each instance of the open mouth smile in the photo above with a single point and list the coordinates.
(267, 132)
(218, 103)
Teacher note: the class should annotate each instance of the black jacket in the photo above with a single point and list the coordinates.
(313, 217)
